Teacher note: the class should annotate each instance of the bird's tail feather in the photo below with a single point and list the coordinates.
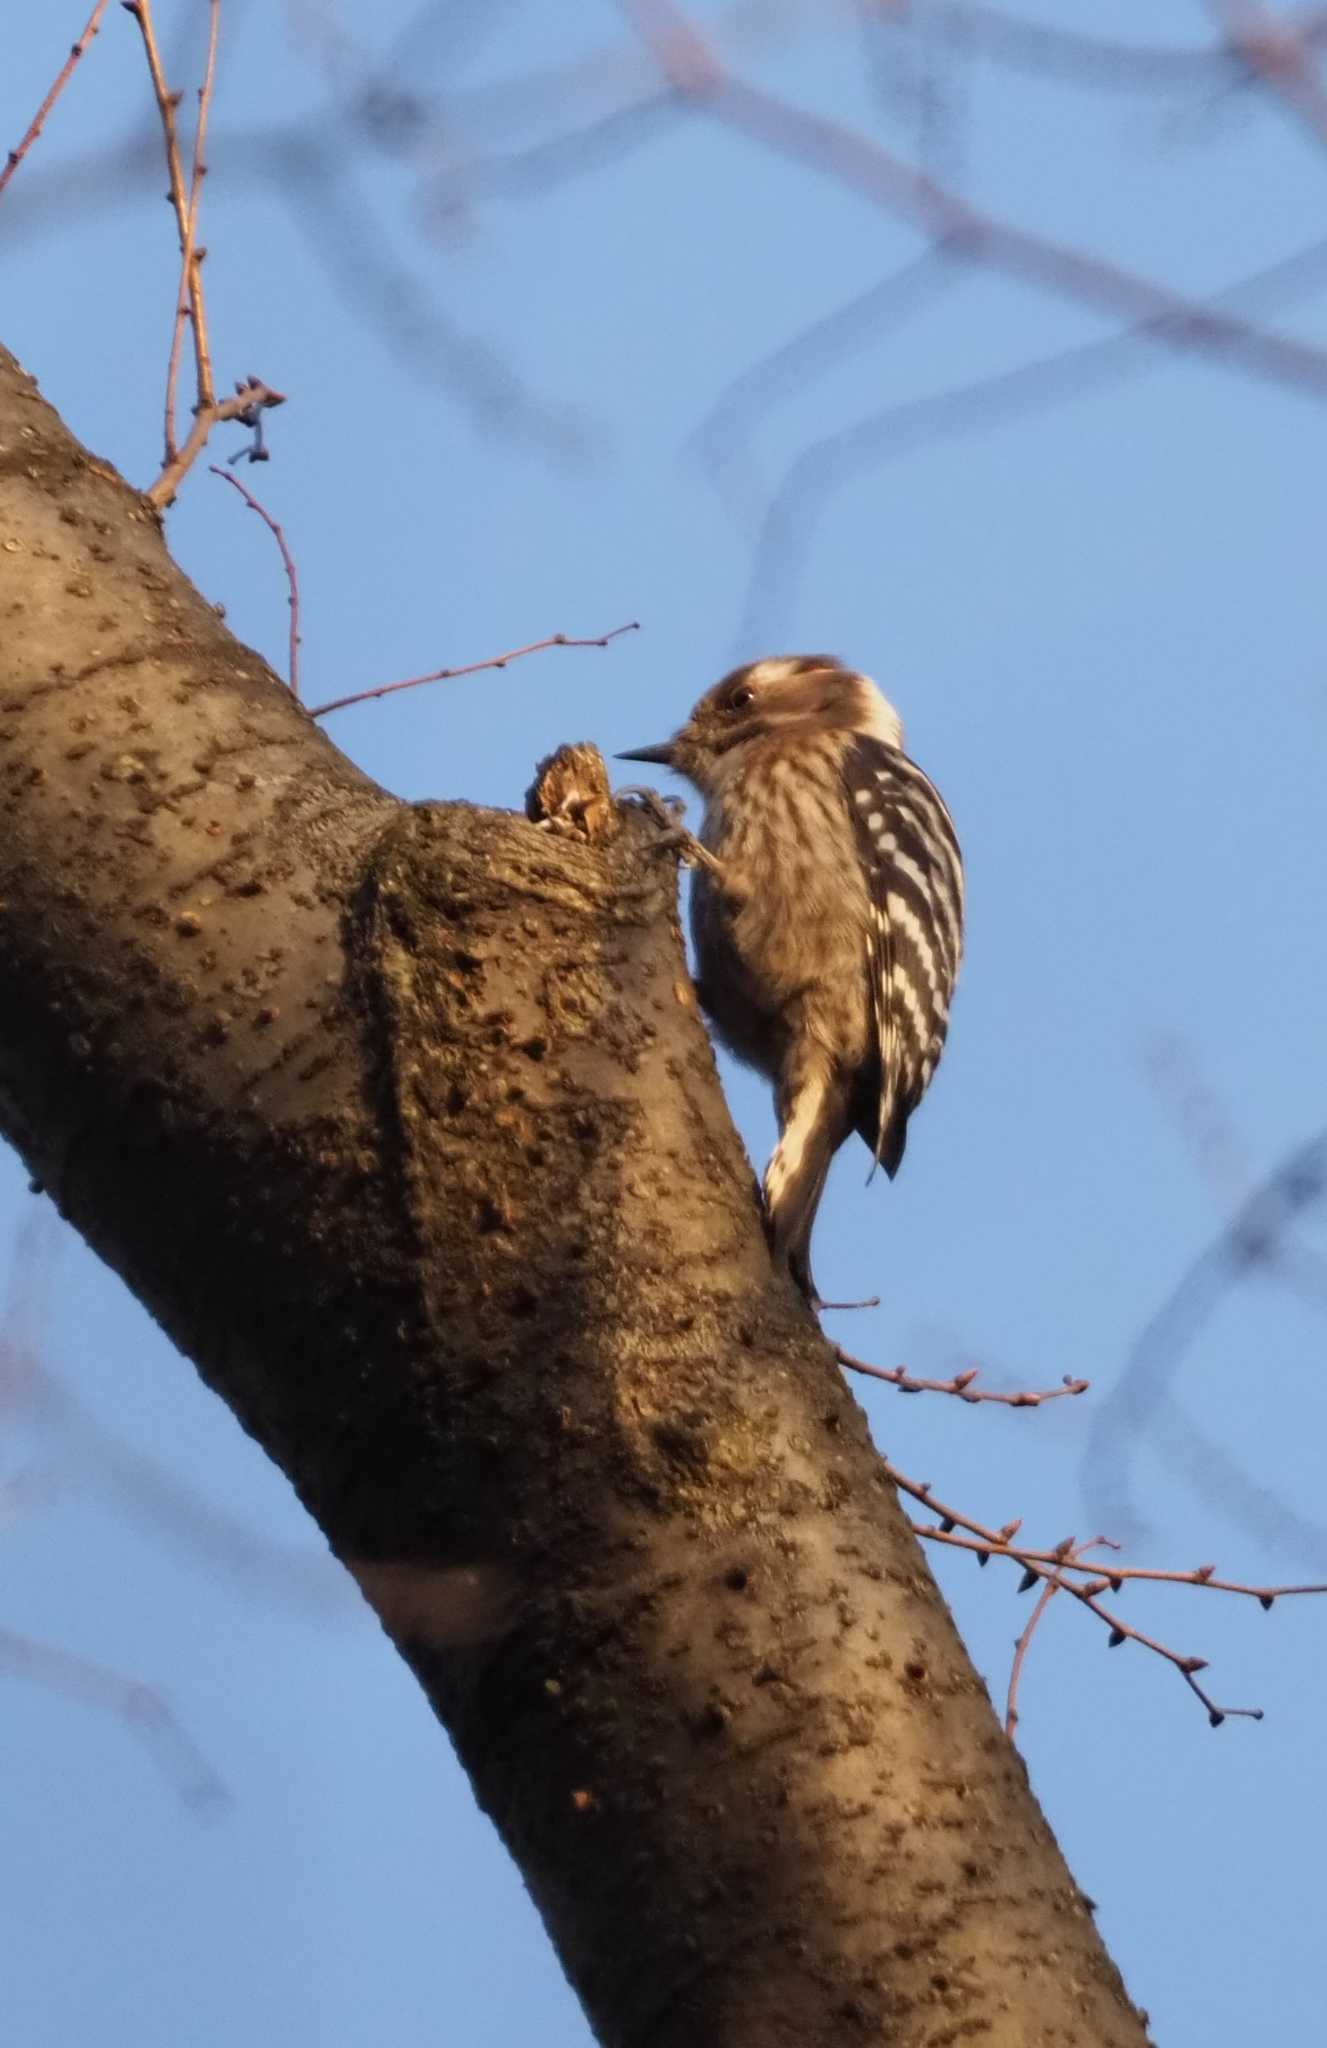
(813, 1121)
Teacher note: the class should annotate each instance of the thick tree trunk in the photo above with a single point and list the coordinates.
(403, 1123)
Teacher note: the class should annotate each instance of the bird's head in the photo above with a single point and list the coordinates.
(785, 697)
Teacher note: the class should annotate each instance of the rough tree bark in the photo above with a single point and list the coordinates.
(402, 1122)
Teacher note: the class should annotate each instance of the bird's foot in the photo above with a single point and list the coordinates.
(667, 815)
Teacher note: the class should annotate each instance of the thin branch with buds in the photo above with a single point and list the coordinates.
(960, 1385)
(1050, 1588)
(251, 397)
(288, 561)
(191, 288)
(473, 668)
(63, 76)
(1054, 1569)
(190, 294)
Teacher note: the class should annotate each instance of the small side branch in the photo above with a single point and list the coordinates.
(189, 298)
(63, 76)
(1065, 1569)
(960, 1386)
(292, 577)
(251, 397)
(1050, 1587)
(472, 668)
(247, 405)
(191, 286)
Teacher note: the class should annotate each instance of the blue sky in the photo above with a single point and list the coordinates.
(1103, 623)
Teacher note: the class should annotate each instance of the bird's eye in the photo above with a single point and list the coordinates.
(739, 698)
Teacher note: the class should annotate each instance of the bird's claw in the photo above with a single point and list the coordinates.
(666, 811)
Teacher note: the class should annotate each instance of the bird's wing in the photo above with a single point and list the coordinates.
(914, 871)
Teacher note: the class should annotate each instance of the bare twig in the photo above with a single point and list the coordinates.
(190, 294)
(1053, 1568)
(287, 558)
(1050, 1587)
(1188, 1667)
(1110, 1577)
(192, 284)
(960, 1385)
(250, 400)
(63, 76)
(442, 675)
(991, 1541)
(252, 396)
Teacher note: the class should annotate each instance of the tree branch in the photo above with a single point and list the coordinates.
(472, 668)
(62, 78)
(959, 1384)
(250, 401)
(402, 1121)
(287, 563)
(189, 297)
(191, 283)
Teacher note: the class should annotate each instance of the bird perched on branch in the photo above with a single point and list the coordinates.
(827, 914)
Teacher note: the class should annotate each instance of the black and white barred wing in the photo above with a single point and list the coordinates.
(914, 871)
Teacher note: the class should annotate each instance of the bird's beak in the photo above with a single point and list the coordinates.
(661, 756)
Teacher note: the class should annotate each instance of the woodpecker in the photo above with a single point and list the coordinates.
(826, 914)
